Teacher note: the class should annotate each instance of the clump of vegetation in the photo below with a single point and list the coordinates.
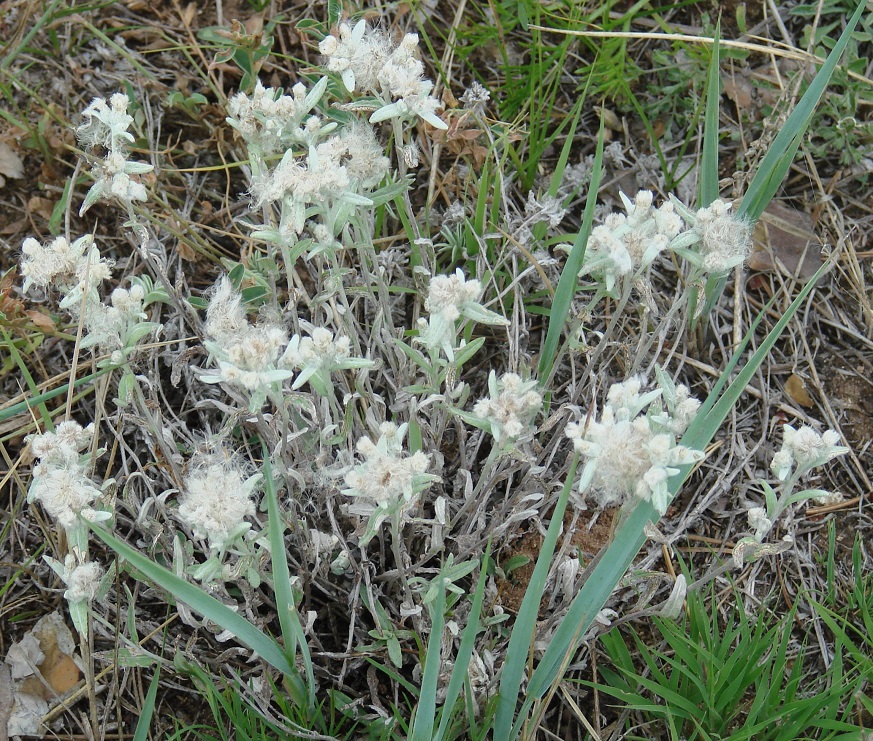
(327, 364)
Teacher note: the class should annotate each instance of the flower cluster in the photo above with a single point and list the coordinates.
(387, 483)
(82, 579)
(324, 175)
(368, 61)
(630, 453)
(271, 123)
(259, 357)
(511, 405)
(719, 241)
(804, 449)
(449, 298)
(711, 239)
(317, 356)
(628, 243)
(76, 269)
(217, 497)
(106, 126)
(60, 481)
(116, 328)
(247, 355)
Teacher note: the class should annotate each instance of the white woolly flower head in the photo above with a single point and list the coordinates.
(106, 125)
(59, 480)
(368, 61)
(71, 268)
(364, 158)
(247, 354)
(64, 444)
(629, 453)
(317, 356)
(271, 123)
(357, 53)
(628, 243)
(217, 497)
(511, 405)
(82, 579)
(387, 481)
(759, 522)
(805, 449)
(450, 297)
(726, 241)
(225, 314)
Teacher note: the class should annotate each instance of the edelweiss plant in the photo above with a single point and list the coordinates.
(387, 483)
(627, 244)
(106, 127)
(61, 482)
(83, 580)
(802, 450)
(630, 454)
(369, 62)
(449, 298)
(217, 497)
(328, 169)
(507, 412)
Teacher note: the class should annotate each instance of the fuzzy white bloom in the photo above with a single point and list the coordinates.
(64, 444)
(112, 327)
(725, 241)
(368, 61)
(759, 523)
(59, 481)
(358, 149)
(54, 262)
(358, 54)
(75, 269)
(805, 449)
(450, 297)
(217, 497)
(317, 356)
(510, 407)
(65, 493)
(387, 476)
(247, 355)
(388, 481)
(82, 579)
(225, 314)
(107, 127)
(628, 453)
(272, 123)
(627, 243)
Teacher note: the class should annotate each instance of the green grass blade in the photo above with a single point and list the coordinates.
(524, 630)
(709, 156)
(566, 289)
(39, 399)
(425, 712)
(209, 607)
(289, 620)
(704, 426)
(597, 588)
(779, 157)
(148, 709)
(465, 651)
